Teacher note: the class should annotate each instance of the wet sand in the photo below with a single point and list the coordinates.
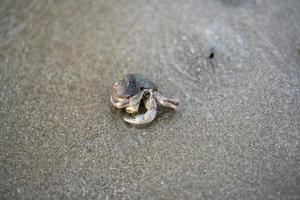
(234, 65)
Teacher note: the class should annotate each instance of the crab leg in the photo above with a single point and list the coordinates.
(127, 102)
(148, 116)
(172, 103)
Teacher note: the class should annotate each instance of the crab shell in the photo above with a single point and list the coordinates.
(131, 90)
(131, 85)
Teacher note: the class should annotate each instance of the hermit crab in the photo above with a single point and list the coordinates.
(134, 91)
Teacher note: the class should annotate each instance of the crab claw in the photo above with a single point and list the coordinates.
(148, 116)
(172, 103)
(119, 104)
(127, 101)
